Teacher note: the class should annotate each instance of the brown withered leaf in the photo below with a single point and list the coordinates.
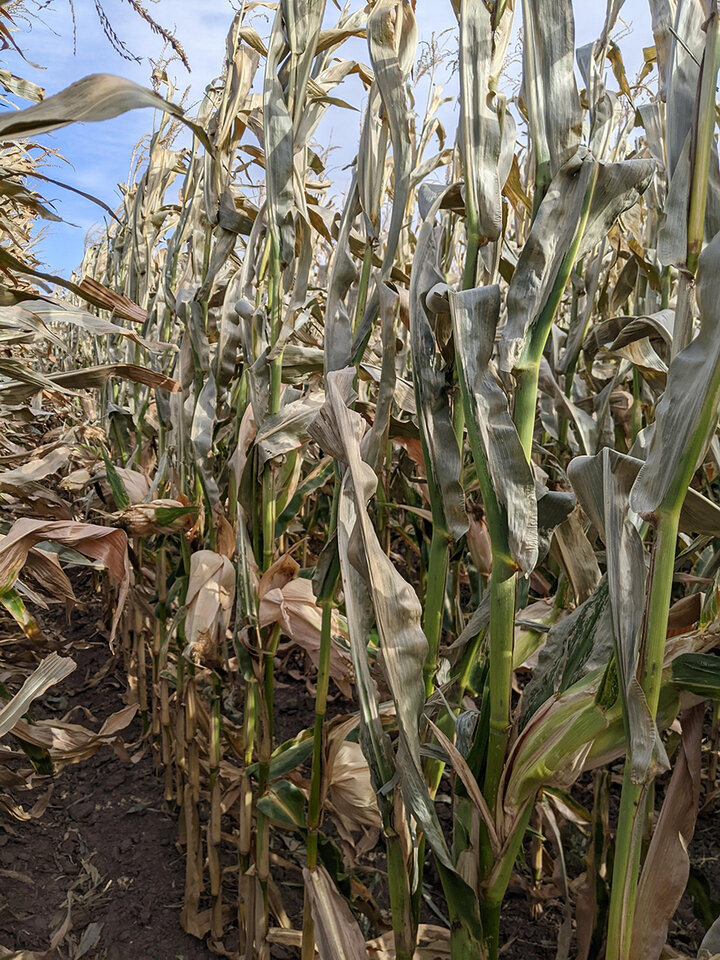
(667, 865)
(336, 931)
(289, 600)
(106, 544)
(209, 603)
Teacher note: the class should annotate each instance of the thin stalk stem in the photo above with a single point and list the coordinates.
(315, 801)
(471, 256)
(704, 137)
(683, 314)
(490, 906)
(626, 868)
(502, 626)
(400, 898)
(526, 386)
(363, 286)
(661, 572)
(434, 603)
(632, 806)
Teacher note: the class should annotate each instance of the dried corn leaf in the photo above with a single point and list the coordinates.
(433, 943)
(51, 670)
(549, 86)
(86, 378)
(209, 603)
(551, 236)
(475, 316)
(278, 143)
(101, 543)
(48, 312)
(37, 469)
(336, 931)
(350, 788)
(626, 578)
(118, 304)
(667, 864)
(687, 414)
(69, 742)
(392, 40)
(431, 381)
(99, 96)
(290, 601)
(480, 124)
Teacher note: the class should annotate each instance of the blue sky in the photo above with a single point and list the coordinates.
(99, 155)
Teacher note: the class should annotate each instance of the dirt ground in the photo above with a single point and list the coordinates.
(103, 859)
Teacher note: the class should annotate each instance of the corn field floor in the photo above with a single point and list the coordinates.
(98, 870)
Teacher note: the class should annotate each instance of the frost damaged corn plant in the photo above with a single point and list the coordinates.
(579, 192)
(334, 392)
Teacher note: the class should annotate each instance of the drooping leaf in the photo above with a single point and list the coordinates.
(575, 554)
(289, 601)
(15, 391)
(618, 187)
(100, 96)
(209, 602)
(392, 39)
(554, 228)
(686, 416)
(667, 864)
(475, 315)
(626, 579)
(101, 543)
(431, 382)
(481, 45)
(51, 670)
(336, 931)
(550, 90)
(284, 804)
(278, 142)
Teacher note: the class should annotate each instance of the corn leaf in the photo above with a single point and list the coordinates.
(626, 577)
(51, 670)
(431, 381)
(550, 90)
(336, 931)
(667, 864)
(480, 124)
(392, 39)
(100, 96)
(686, 416)
(475, 316)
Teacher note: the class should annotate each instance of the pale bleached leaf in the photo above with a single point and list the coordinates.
(687, 414)
(475, 316)
(51, 670)
(431, 380)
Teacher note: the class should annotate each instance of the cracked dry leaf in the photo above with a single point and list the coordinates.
(70, 742)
